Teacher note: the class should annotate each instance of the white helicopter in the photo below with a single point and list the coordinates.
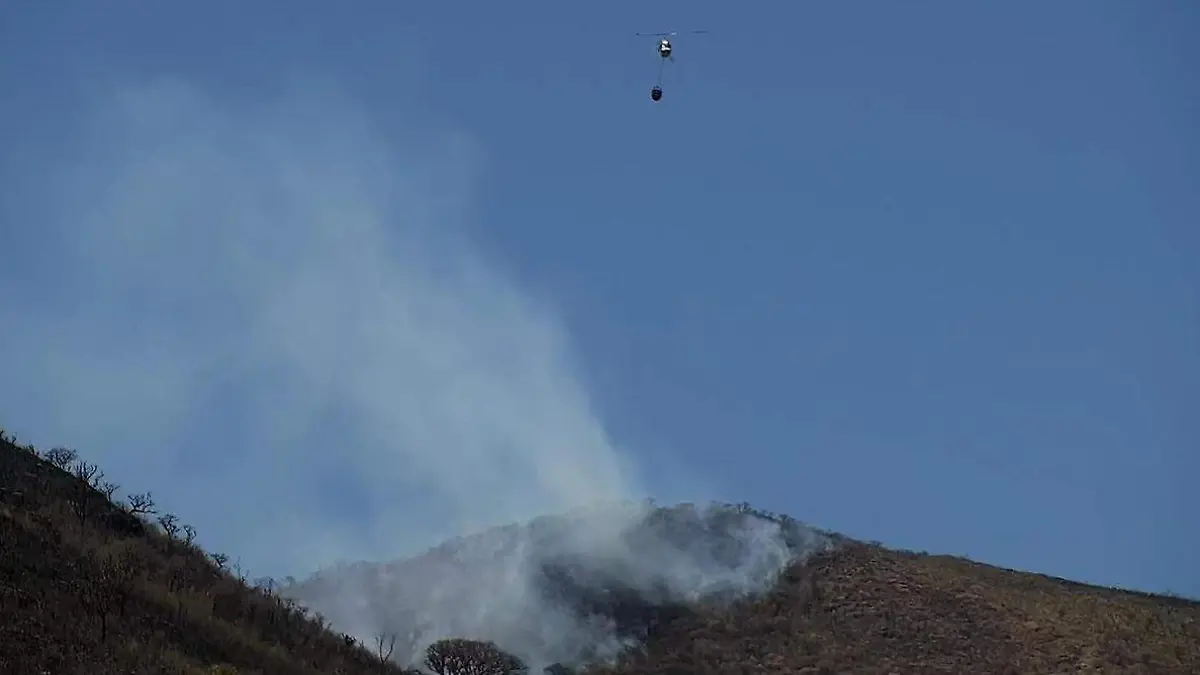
(665, 49)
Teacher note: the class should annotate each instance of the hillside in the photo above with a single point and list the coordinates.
(866, 609)
(92, 585)
(716, 603)
(568, 588)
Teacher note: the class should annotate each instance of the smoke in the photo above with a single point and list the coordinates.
(570, 589)
(270, 314)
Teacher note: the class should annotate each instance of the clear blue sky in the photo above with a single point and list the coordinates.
(917, 272)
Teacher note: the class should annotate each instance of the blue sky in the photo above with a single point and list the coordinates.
(335, 283)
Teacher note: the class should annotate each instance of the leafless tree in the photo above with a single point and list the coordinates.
(385, 652)
(109, 589)
(170, 524)
(81, 504)
(142, 504)
(457, 656)
(61, 457)
(89, 473)
(109, 489)
(82, 499)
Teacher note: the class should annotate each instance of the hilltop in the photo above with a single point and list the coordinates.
(93, 584)
(730, 589)
(568, 588)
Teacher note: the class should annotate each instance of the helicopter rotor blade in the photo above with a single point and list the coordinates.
(673, 32)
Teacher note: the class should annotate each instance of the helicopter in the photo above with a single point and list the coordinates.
(666, 53)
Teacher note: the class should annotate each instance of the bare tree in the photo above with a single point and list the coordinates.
(142, 504)
(109, 489)
(126, 566)
(60, 457)
(385, 652)
(177, 580)
(457, 656)
(110, 588)
(408, 628)
(79, 494)
(239, 570)
(221, 559)
(89, 473)
(189, 534)
(81, 504)
(81, 498)
(97, 598)
(170, 524)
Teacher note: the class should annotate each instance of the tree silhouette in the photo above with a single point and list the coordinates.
(458, 656)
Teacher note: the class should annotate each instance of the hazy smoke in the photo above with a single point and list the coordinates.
(272, 317)
(522, 586)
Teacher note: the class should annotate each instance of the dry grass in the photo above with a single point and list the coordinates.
(88, 587)
(866, 609)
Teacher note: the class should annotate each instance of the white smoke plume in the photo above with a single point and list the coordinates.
(533, 589)
(271, 316)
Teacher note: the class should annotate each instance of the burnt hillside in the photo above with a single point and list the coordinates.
(870, 610)
(91, 585)
(723, 589)
(568, 588)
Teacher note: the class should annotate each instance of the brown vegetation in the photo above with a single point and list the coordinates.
(92, 585)
(89, 585)
(866, 609)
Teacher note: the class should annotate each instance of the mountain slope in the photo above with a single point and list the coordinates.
(673, 594)
(867, 609)
(569, 588)
(89, 586)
